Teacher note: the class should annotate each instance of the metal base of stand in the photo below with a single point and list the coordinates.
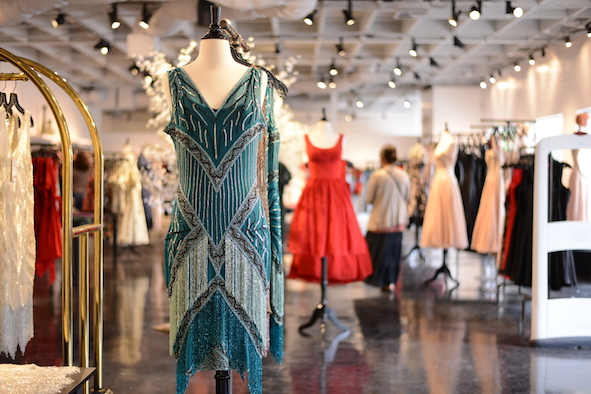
(322, 310)
(223, 383)
(442, 270)
(416, 247)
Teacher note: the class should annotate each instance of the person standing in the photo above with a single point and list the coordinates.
(388, 190)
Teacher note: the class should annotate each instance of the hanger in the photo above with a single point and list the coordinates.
(3, 100)
(13, 103)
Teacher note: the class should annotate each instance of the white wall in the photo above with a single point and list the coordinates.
(458, 106)
(558, 83)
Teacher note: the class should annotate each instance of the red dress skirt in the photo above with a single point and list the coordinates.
(324, 223)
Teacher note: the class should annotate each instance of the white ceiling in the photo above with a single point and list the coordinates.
(381, 37)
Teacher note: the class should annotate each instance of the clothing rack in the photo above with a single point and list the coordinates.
(30, 70)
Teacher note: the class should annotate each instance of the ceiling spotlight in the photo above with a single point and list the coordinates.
(349, 20)
(492, 79)
(417, 76)
(321, 84)
(348, 118)
(341, 48)
(531, 60)
(413, 49)
(567, 42)
(453, 20)
(543, 52)
(309, 20)
(145, 22)
(392, 83)
(359, 103)
(398, 69)
(278, 48)
(588, 27)
(59, 20)
(103, 46)
(332, 84)
(148, 79)
(483, 84)
(475, 11)
(433, 63)
(458, 43)
(517, 67)
(406, 104)
(516, 11)
(134, 70)
(333, 69)
(115, 22)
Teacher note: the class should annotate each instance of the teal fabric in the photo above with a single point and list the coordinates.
(223, 264)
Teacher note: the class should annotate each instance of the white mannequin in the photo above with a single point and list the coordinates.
(215, 72)
(324, 137)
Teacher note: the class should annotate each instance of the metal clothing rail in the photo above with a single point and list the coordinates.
(29, 71)
(557, 321)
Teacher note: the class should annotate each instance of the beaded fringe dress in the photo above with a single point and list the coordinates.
(223, 264)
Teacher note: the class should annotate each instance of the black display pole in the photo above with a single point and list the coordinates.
(322, 310)
(442, 270)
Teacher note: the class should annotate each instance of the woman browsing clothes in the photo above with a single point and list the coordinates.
(388, 190)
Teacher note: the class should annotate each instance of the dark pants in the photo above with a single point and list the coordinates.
(385, 250)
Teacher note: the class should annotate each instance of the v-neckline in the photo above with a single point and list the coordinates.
(230, 93)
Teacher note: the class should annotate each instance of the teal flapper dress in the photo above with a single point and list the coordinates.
(223, 264)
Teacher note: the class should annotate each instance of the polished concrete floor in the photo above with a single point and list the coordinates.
(421, 339)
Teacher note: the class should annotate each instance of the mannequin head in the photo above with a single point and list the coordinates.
(582, 119)
(388, 155)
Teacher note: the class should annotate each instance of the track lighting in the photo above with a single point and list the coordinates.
(392, 83)
(333, 69)
(145, 21)
(458, 43)
(277, 48)
(134, 70)
(543, 52)
(417, 76)
(492, 79)
(453, 20)
(413, 49)
(59, 20)
(567, 42)
(349, 20)
(433, 63)
(114, 18)
(341, 48)
(321, 84)
(588, 27)
(331, 83)
(148, 79)
(348, 118)
(103, 46)
(531, 60)
(398, 69)
(406, 104)
(517, 67)
(309, 20)
(483, 84)
(516, 11)
(359, 103)
(476, 11)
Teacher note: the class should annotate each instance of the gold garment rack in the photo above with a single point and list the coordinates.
(29, 71)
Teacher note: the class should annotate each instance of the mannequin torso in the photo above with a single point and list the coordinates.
(324, 137)
(215, 73)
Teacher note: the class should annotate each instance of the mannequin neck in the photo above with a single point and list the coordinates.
(324, 127)
(214, 53)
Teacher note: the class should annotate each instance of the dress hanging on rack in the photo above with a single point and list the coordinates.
(579, 204)
(17, 245)
(488, 227)
(324, 223)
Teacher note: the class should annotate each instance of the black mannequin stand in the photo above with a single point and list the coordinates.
(442, 270)
(223, 383)
(322, 310)
(416, 245)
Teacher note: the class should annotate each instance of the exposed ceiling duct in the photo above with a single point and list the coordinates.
(167, 20)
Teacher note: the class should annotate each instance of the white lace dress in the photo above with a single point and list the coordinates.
(579, 203)
(17, 243)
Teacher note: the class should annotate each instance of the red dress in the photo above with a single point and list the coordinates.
(324, 223)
